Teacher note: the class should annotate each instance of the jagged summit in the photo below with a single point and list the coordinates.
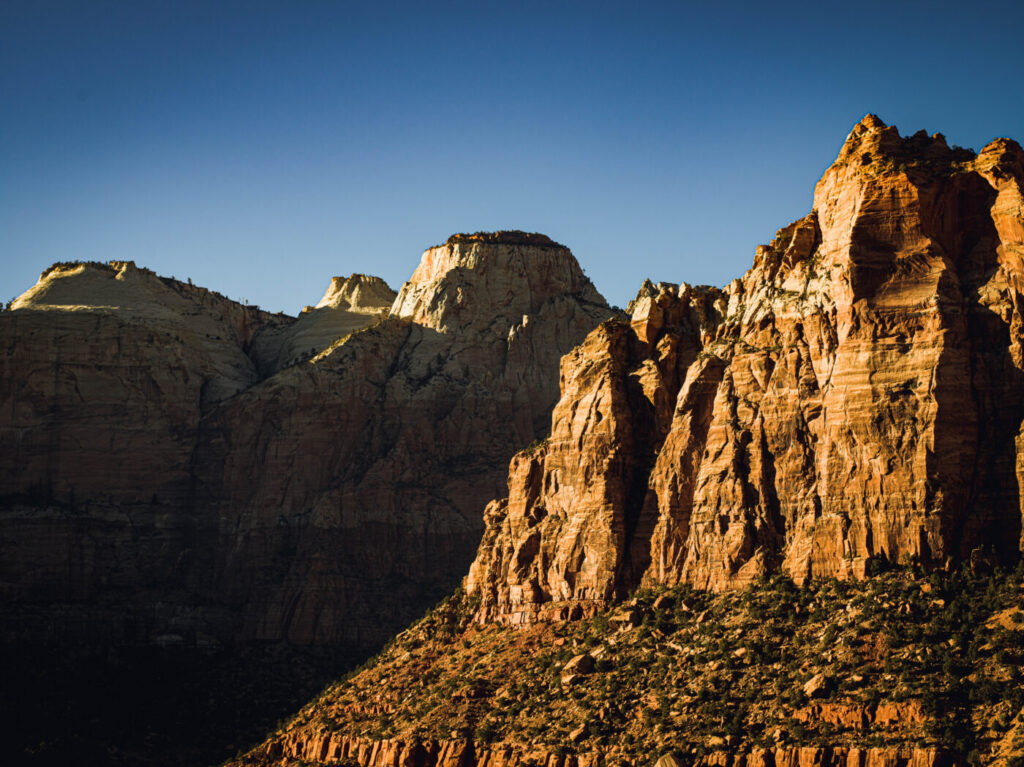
(506, 237)
(872, 141)
(921, 150)
(855, 396)
(1002, 157)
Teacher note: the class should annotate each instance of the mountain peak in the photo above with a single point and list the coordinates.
(478, 278)
(357, 291)
(873, 144)
(871, 121)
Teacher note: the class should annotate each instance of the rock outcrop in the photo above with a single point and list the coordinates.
(334, 748)
(857, 395)
(169, 473)
(349, 491)
(348, 305)
(562, 540)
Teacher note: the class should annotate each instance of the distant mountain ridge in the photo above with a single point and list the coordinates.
(176, 466)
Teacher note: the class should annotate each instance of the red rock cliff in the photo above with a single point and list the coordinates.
(857, 394)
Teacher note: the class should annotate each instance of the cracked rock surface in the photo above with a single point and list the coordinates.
(176, 467)
(857, 394)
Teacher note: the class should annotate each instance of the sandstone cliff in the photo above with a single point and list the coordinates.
(107, 373)
(348, 305)
(349, 491)
(169, 473)
(856, 395)
(853, 402)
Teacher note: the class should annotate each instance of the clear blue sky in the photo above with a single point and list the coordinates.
(262, 147)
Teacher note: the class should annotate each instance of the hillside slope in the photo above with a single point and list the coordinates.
(903, 669)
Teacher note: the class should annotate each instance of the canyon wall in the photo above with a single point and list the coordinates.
(856, 396)
(178, 468)
(349, 491)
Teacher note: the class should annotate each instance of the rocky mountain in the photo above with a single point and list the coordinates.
(347, 306)
(349, 491)
(178, 468)
(852, 403)
(856, 395)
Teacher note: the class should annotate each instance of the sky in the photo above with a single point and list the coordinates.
(260, 148)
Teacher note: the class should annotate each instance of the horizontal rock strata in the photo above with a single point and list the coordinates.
(334, 748)
(176, 467)
(855, 400)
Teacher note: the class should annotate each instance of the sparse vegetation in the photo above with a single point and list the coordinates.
(902, 658)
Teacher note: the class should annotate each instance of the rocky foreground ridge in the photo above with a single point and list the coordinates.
(901, 671)
(853, 402)
(177, 468)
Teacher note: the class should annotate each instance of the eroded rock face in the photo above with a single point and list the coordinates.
(325, 747)
(857, 394)
(176, 465)
(564, 535)
(350, 304)
(375, 461)
(107, 373)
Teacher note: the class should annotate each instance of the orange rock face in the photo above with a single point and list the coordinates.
(562, 537)
(336, 748)
(859, 393)
(176, 466)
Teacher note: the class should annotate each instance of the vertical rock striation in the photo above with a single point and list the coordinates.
(563, 539)
(856, 395)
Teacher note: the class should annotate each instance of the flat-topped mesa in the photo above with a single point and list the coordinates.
(489, 280)
(856, 396)
(358, 293)
(506, 237)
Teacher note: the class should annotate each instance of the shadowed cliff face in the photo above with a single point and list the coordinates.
(179, 468)
(350, 490)
(857, 394)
